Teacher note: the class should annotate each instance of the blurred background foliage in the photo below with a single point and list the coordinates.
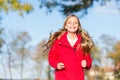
(15, 5)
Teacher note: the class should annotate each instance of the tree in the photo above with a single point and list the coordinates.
(15, 5)
(96, 55)
(115, 56)
(16, 48)
(115, 53)
(20, 46)
(2, 42)
(1, 38)
(67, 7)
(107, 43)
(41, 54)
(41, 50)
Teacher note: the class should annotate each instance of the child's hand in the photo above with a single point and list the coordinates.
(83, 63)
(60, 66)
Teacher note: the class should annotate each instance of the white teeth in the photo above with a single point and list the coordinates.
(71, 27)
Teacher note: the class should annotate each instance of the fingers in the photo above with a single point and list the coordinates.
(83, 63)
(60, 66)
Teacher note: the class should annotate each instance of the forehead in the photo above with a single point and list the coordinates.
(72, 18)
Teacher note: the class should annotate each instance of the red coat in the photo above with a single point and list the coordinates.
(61, 51)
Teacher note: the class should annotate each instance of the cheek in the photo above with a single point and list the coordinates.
(77, 26)
(67, 25)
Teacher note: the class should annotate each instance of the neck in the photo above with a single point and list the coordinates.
(72, 35)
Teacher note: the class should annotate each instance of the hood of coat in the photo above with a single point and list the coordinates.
(64, 42)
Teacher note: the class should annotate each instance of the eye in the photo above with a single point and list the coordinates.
(69, 22)
(76, 23)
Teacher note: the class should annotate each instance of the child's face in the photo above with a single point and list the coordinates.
(72, 24)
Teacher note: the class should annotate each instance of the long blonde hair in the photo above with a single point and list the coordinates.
(86, 42)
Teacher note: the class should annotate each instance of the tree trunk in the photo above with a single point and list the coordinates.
(49, 70)
(4, 69)
(22, 65)
(9, 64)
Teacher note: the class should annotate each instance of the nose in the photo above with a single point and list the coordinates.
(72, 23)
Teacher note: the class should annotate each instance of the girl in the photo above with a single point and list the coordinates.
(69, 50)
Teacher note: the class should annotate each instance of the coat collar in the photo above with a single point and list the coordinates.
(63, 40)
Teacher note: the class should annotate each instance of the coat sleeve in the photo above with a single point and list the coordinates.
(53, 55)
(88, 60)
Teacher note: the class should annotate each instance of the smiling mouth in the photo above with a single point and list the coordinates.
(72, 27)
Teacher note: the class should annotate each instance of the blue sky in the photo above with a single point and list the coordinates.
(100, 20)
